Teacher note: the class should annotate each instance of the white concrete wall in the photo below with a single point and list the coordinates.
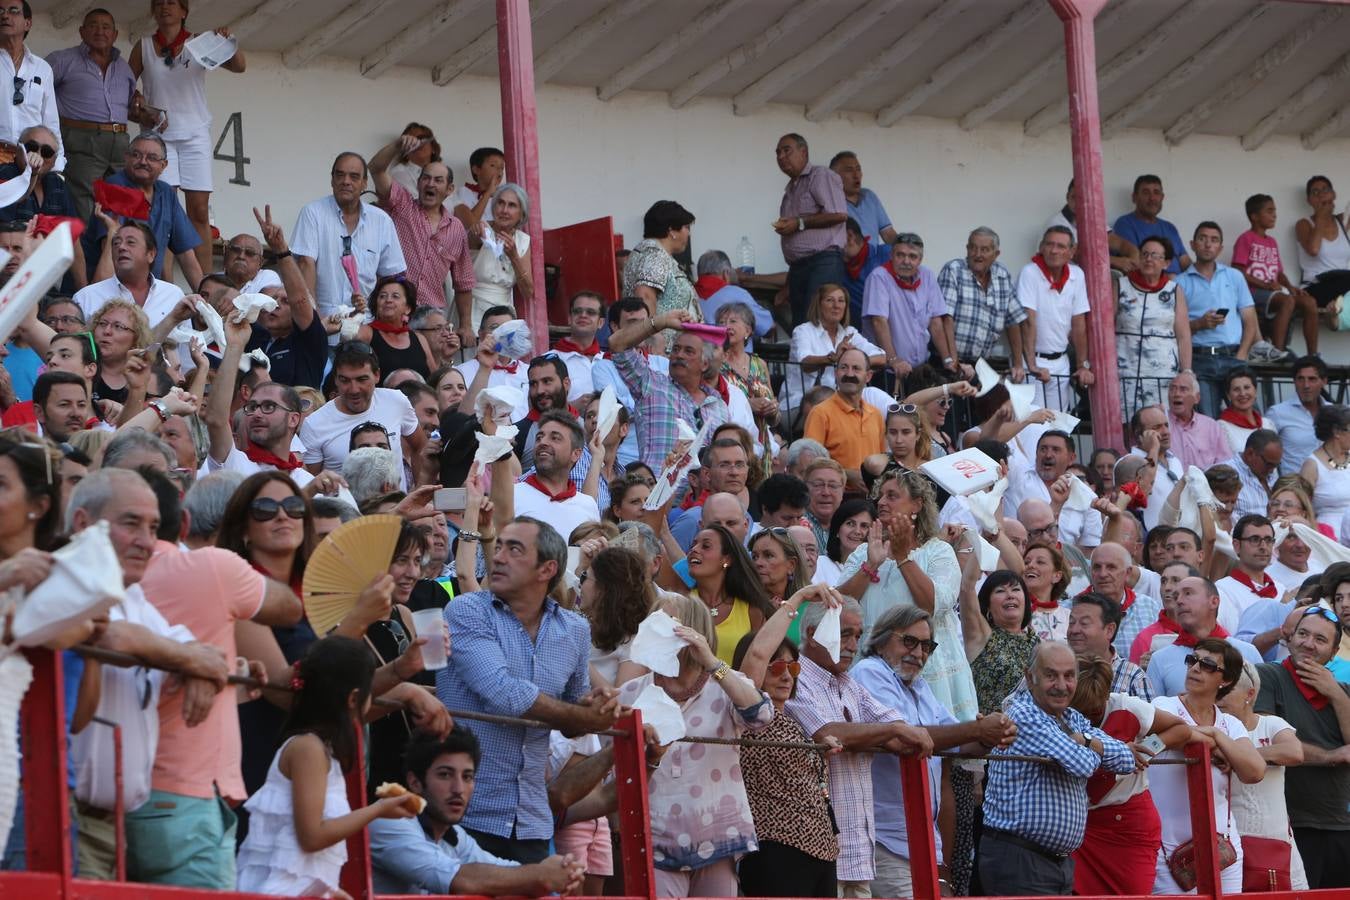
(616, 158)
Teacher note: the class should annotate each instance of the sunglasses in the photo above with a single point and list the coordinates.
(43, 150)
(779, 666)
(912, 643)
(1323, 612)
(265, 509)
(167, 55)
(908, 409)
(1203, 662)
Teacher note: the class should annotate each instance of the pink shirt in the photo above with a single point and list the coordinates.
(1199, 442)
(430, 253)
(816, 190)
(1258, 255)
(206, 590)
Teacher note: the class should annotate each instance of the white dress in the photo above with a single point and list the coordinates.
(1331, 496)
(1259, 809)
(495, 277)
(1168, 787)
(270, 860)
(947, 671)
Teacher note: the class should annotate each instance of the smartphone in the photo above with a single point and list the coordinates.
(1223, 313)
(1153, 744)
(450, 499)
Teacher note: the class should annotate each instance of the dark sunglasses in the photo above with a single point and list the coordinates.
(18, 89)
(167, 55)
(779, 666)
(913, 643)
(42, 149)
(1203, 662)
(265, 509)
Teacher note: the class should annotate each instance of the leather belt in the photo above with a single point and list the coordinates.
(1052, 355)
(93, 812)
(112, 127)
(1221, 350)
(1018, 841)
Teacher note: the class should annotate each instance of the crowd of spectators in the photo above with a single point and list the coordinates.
(837, 605)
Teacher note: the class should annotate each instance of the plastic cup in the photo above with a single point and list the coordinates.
(430, 624)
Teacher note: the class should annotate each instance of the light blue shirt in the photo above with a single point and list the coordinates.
(1260, 617)
(917, 705)
(734, 293)
(1226, 290)
(1294, 424)
(1167, 666)
(405, 860)
(870, 215)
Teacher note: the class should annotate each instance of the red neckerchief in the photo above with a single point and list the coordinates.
(1167, 623)
(1267, 590)
(1138, 499)
(565, 494)
(475, 188)
(691, 500)
(295, 583)
(1127, 601)
(902, 283)
(1043, 604)
(1233, 417)
(1056, 284)
(1138, 281)
(264, 457)
(1315, 700)
(386, 328)
(509, 367)
(535, 415)
(724, 389)
(1123, 726)
(175, 46)
(1186, 639)
(567, 345)
(707, 285)
(854, 270)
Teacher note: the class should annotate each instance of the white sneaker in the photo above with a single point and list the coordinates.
(1264, 351)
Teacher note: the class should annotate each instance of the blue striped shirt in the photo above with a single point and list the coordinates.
(496, 668)
(1044, 803)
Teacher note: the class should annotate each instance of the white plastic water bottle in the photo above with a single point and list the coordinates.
(746, 251)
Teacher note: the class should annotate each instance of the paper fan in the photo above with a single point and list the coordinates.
(341, 567)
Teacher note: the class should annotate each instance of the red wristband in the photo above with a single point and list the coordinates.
(872, 574)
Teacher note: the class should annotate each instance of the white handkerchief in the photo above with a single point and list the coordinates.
(1223, 543)
(491, 447)
(512, 339)
(85, 581)
(1063, 422)
(1080, 496)
(1281, 531)
(254, 359)
(496, 403)
(183, 333)
(215, 325)
(984, 505)
(1023, 399)
(827, 632)
(1323, 550)
(656, 646)
(248, 306)
(608, 414)
(988, 377)
(349, 327)
(988, 554)
(660, 712)
(493, 241)
(1198, 487)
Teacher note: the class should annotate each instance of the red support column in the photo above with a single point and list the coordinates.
(46, 805)
(635, 833)
(923, 865)
(1200, 792)
(520, 134)
(355, 879)
(1085, 122)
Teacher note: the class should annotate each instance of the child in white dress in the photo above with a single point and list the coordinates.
(300, 819)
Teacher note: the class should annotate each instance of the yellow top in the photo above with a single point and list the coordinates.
(730, 630)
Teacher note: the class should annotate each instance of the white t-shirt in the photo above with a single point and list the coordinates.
(466, 195)
(1054, 309)
(327, 433)
(563, 515)
(163, 297)
(1235, 598)
(578, 373)
(519, 379)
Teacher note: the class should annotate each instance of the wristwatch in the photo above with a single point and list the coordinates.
(1086, 364)
(801, 224)
(160, 409)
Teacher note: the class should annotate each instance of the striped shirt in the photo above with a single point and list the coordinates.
(430, 253)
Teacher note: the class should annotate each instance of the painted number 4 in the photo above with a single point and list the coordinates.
(236, 125)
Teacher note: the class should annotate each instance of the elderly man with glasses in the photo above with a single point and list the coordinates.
(169, 223)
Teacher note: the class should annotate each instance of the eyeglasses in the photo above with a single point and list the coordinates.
(137, 156)
(1203, 662)
(435, 329)
(114, 325)
(265, 509)
(1323, 612)
(12, 10)
(267, 407)
(1260, 540)
(907, 409)
(1050, 531)
(44, 150)
(944, 402)
(739, 465)
(237, 250)
(913, 643)
(1143, 255)
(779, 666)
(583, 311)
(57, 321)
(18, 88)
(825, 485)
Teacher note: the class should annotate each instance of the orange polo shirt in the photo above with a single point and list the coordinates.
(851, 435)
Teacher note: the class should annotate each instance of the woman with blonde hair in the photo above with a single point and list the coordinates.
(781, 567)
(119, 328)
(909, 442)
(817, 343)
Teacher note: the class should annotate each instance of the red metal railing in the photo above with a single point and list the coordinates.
(47, 816)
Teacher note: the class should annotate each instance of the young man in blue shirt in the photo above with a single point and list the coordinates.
(1145, 222)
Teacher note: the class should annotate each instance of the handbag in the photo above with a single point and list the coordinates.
(1181, 864)
(1265, 864)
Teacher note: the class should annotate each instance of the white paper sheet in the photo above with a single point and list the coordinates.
(608, 414)
(210, 50)
(12, 191)
(827, 632)
(1080, 496)
(673, 474)
(661, 713)
(1023, 399)
(656, 646)
(963, 473)
(987, 376)
(42, 269)
(512, 339)
(1063, 422)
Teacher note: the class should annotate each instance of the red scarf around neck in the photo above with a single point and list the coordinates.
(1267, 590)
(1038, 605)
(567, 345)
(1315, 700)
(565, 494)
(707, 285)
(1127, 601)
(475, 188)
(1056, 284)
(175, 45)
(1167, 623)
(535, 415)
(1186, 639)
(902, 283)
(1138, 281)
(724, 390)
(510, 366)
(264, 457)
(1234, 417)
(854, 267)
(386, 328)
